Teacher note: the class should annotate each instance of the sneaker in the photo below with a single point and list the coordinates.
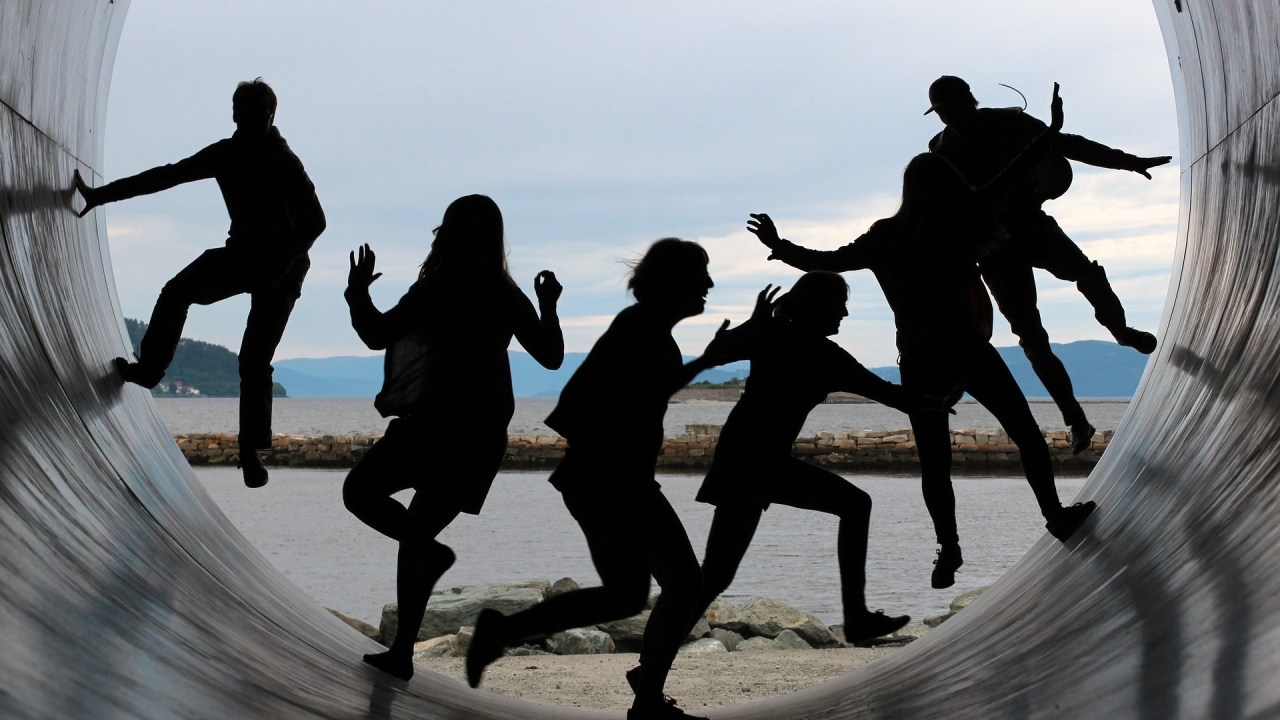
(872, 625)
(1069, 519)
(255, 473)
(134, 373)
(944, 568)
(1081, 436)
(1140, 340)
(486, 644)
(659, 709)
(633, 680)
(395, 666)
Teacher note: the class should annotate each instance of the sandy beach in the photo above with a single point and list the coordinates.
(698, 681)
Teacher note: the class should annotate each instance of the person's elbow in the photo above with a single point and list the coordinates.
(552, 359)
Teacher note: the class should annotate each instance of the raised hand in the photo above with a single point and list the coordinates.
(1142, 165)
(765, 302)
(1055, 110)
(361, 275)
(547, 288)
(762, 227)
(86, 192)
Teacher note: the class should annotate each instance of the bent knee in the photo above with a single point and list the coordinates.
(354, 496)
(855, 503)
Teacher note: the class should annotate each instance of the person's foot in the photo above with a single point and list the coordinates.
(486, 644)
(255, 473)
(134, 373)
(658, 708)
(870, 625)
(398, 666)
(633, 681)
(1140, 340)
(1069, 519)
(1081, 436)
(944, 568)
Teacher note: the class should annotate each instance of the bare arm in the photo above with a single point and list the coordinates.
(541, 336)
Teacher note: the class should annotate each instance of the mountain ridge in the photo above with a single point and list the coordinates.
(1099, 369)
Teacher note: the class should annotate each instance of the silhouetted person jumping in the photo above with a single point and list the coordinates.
(925, 259)
(980, 142)
(448, 379)
(794, 366)
(611, 413)
(275, 217)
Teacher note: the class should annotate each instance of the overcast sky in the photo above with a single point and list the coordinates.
(601, 126)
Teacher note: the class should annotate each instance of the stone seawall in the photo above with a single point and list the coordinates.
(867, 449)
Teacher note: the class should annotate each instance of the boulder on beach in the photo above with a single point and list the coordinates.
(766, 617)
(703, 645)
(450, 610)
(960, 602)
(581, 641)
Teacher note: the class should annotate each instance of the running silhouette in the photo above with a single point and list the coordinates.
(980, 142)
(925, 259)
(794, 366)
(611, 413)
(275, 218)
(448, 380)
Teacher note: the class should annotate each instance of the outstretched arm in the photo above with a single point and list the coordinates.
(197, 167)
(542, 337)
(857, 379)
(850, 257)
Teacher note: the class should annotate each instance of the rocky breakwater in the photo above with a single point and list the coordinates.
(761, 624)
(851, 450)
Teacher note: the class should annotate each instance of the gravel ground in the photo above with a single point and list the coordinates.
(698, 681)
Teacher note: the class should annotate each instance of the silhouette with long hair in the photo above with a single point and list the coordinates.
(980, 142)
(794, 366)
(925, 259)
(275, 218)
(448, 380)
(611, 413)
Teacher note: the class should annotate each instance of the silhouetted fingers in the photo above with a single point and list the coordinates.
(1055, 107)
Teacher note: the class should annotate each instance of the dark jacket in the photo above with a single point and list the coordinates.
(275, 214)
(998, 137)
(616, 400)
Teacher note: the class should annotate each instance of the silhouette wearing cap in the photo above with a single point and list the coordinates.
(980, 142)
(925, 260)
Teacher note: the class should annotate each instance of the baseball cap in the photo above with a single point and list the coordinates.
(946, 90)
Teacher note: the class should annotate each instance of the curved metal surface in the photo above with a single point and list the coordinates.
(127, 594)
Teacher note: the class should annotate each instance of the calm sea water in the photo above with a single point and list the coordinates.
(298, 522)
(341, 416)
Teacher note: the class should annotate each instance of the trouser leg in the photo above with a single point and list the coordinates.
(993, 385)
(268, 315)
(209, 278)
(1010, 278)
(933, 444)
(732, 528)
(810, 488)
(675, 568)
(1051, 249)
